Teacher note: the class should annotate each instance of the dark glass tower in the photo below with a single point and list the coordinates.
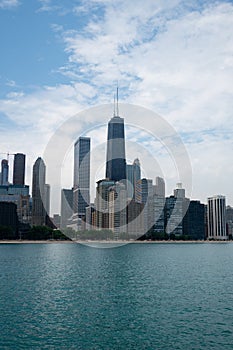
(4, 173)
(38, 193)
(116, 163)
(81, 190)
(19, 169)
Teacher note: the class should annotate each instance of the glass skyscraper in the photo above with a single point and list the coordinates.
(81, 189)
(133, 174)
(116, 163)
(38, 193)
(19, 169)
(4, 173)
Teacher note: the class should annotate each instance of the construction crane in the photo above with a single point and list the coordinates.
(8, 155)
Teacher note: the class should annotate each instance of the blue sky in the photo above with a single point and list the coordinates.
(172, 57)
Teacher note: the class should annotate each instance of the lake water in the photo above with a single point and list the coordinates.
(138, 296)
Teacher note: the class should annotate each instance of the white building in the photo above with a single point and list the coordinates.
(216, 214)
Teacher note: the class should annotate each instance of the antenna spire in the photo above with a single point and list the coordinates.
(117, 111)
(114, 106)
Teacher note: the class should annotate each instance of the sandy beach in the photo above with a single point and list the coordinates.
(88, 242)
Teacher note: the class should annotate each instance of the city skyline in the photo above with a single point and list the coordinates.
(20, 156)
(176, 61)
(145, 213)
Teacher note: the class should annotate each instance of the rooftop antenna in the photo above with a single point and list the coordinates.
(114, 106)
(117, 111)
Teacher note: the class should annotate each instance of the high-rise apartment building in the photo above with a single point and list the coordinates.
(19, 169)
(216, 213)
(81, 189)
(38, 193)
(116, 163)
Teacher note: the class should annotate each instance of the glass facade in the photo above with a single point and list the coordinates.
(81, 189)
(116, 163)
(19, 169)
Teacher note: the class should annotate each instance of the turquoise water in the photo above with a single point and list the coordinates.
(139, 296)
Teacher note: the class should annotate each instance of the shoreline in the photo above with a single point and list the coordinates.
(89, 242)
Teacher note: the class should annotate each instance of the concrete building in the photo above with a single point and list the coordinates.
(217, 218)
(135, 219)
(144, 194)
(19, 195)
(159, 189)
(117, 208)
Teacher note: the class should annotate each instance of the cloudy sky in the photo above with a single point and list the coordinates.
(175, 58)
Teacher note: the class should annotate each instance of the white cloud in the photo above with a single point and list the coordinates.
(175, 59)
(7, 4)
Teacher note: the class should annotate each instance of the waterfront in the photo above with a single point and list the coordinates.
(138, 296)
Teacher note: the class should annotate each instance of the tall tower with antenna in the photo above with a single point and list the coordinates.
(116, 163)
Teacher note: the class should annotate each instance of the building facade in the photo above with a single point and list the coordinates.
(216, 214)
(19, 169)
(19, 195)
(133, 174)
(38, 193)
(9, 218)
(116, 163)
(117, 204)
(66, 206)
(102, 202)
(4, 172)
(194, 221)
(81, 188)
(144, 194)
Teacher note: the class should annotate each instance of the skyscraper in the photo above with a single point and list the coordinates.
(4, 173)
(159, 187)
(217, 217)
(117, 208)
(194, 220)
(66, 206)
(81, 189)
(133, 174)
(19, 169)
(38, 193)
(116, 163)
(159, 205)
(102, 201)
(144, 195)
(47, 199)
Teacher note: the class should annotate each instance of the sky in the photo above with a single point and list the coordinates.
(171, 58)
